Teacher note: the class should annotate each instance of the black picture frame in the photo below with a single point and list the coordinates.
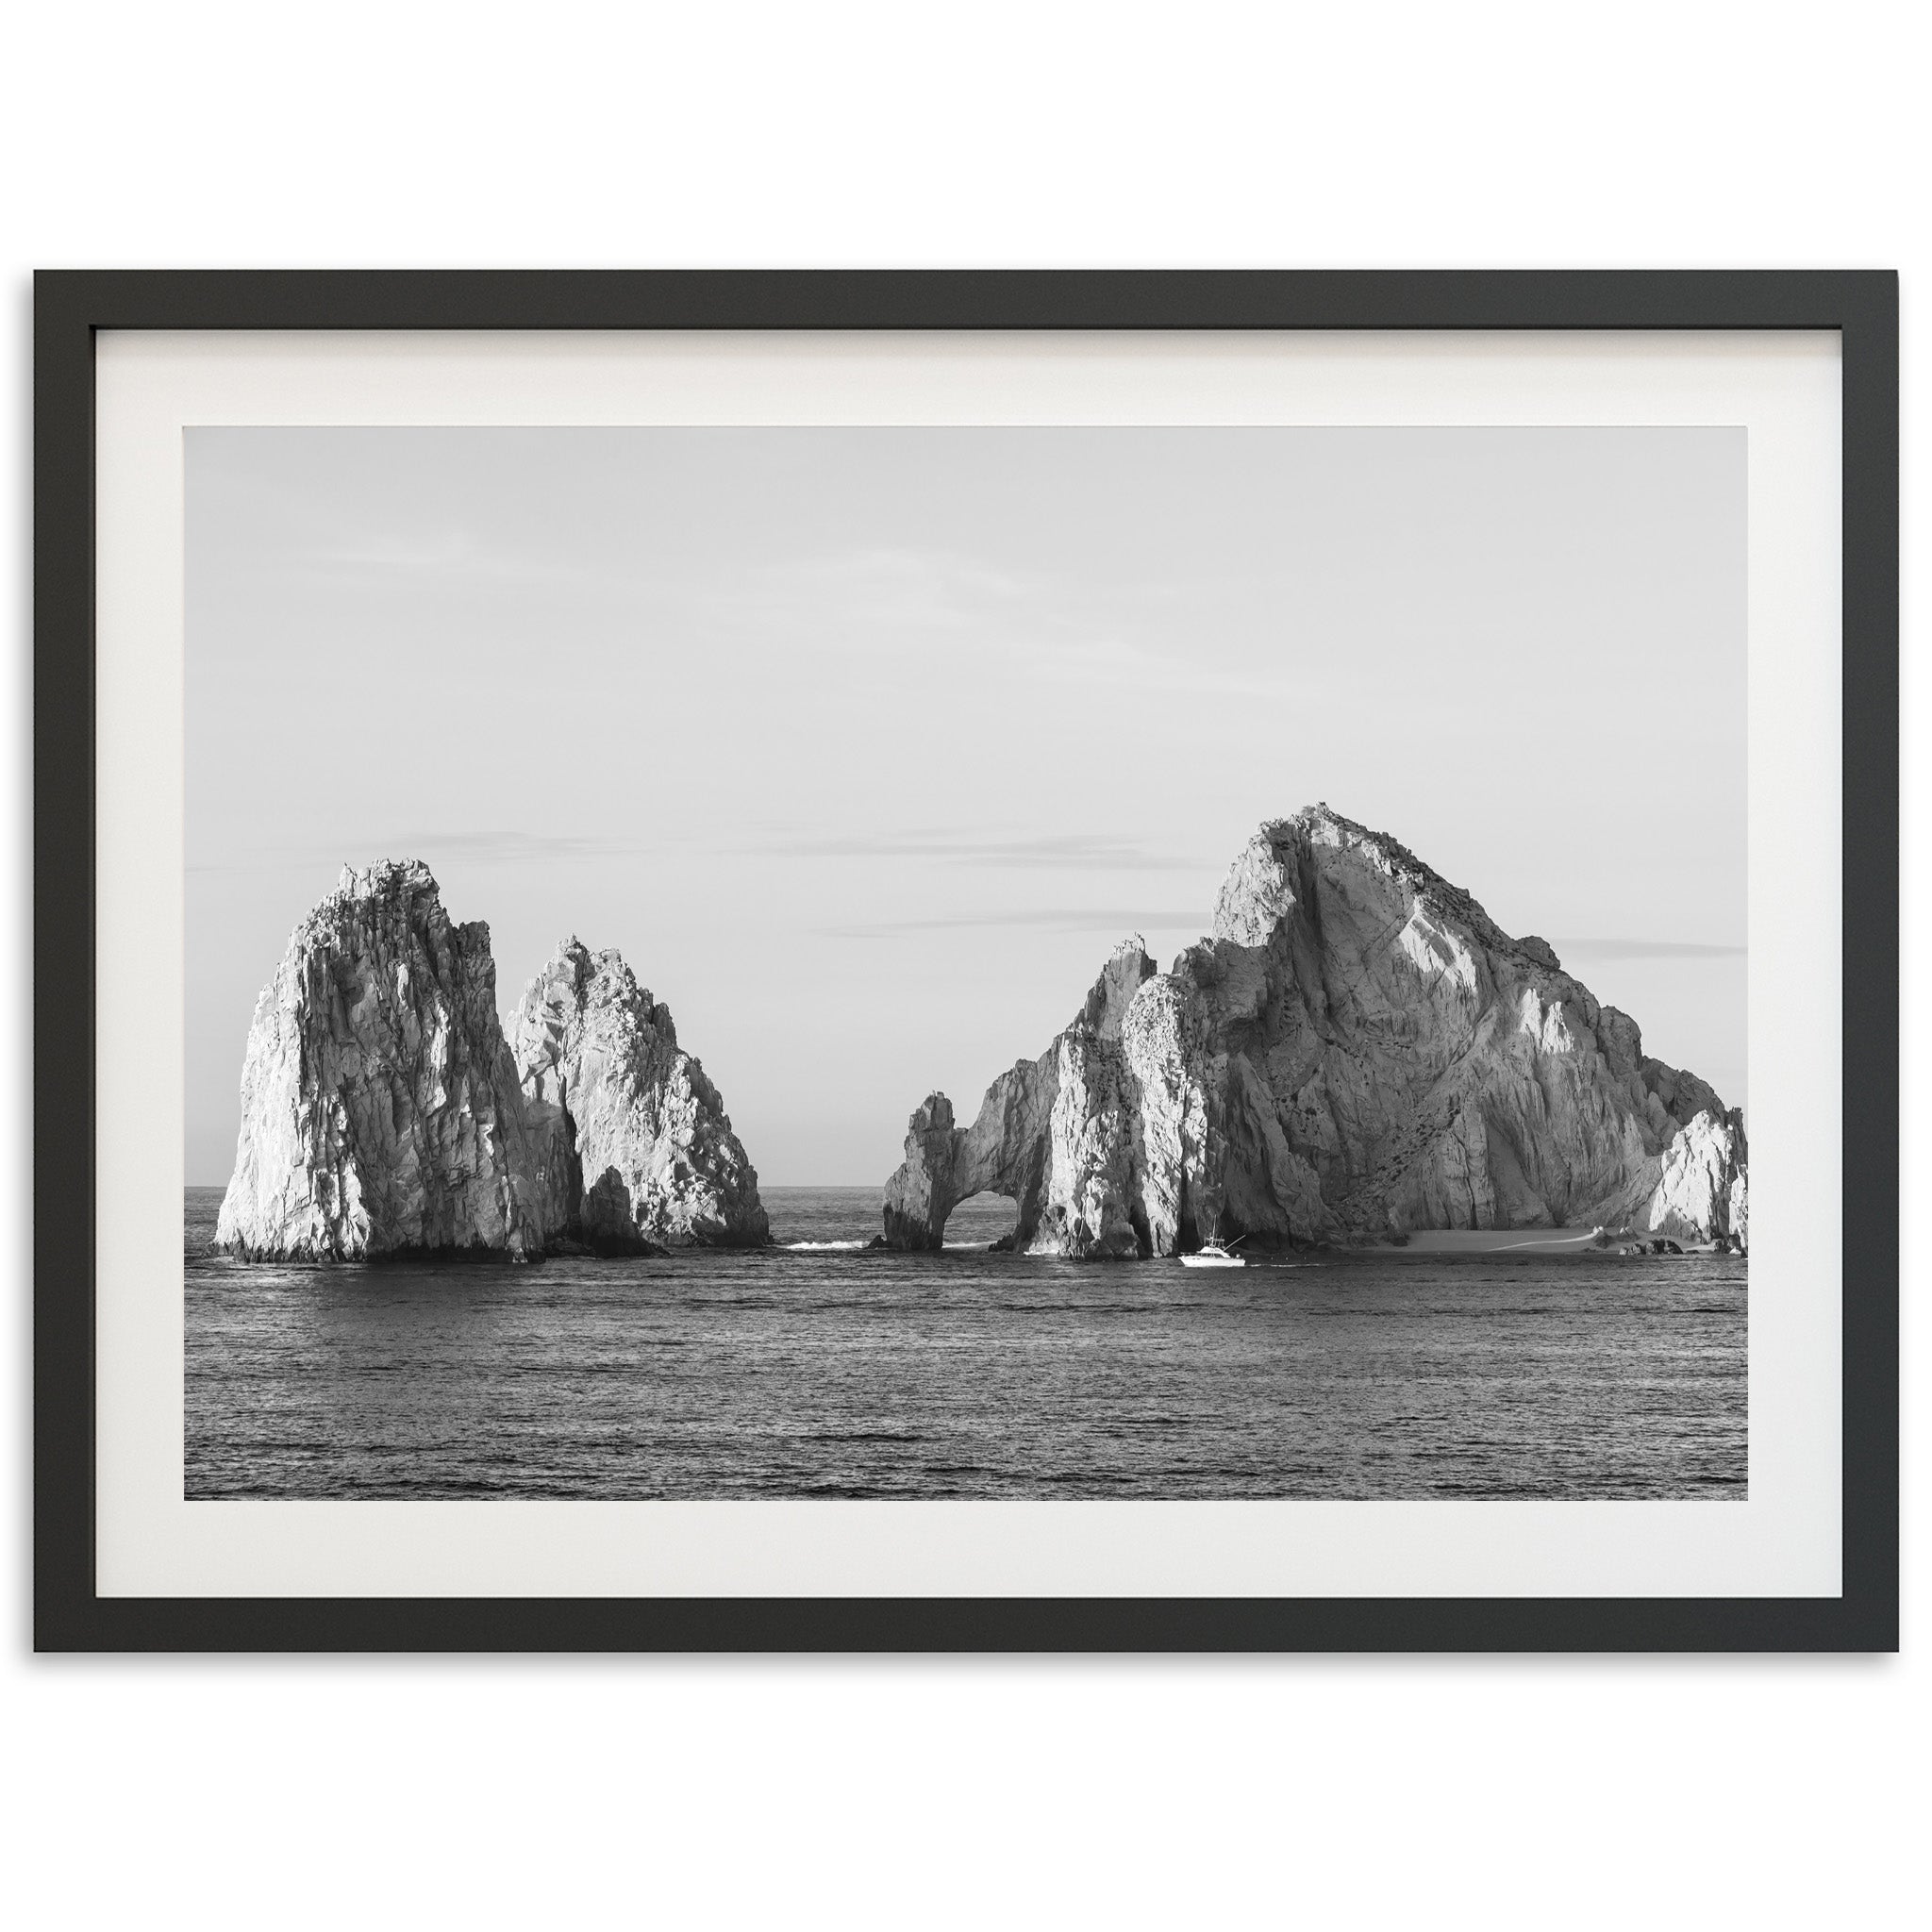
(71, 308)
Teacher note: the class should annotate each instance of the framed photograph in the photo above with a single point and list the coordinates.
(995, 962)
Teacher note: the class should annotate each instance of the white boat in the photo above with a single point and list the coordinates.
(1215, 1253)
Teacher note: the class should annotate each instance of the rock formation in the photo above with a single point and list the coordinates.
(631, 1130)
(380, 1114)
(383, 1113)
(1357, 1051)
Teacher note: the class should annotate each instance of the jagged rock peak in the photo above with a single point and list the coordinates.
(631, 1131)
(1105, 1005)
(1358, 1049)
(379, 1107)
(1273, 872)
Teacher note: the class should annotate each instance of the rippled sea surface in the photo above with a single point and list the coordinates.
(825, 1371)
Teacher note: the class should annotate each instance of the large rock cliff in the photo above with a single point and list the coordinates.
(1359, 1050)
(384, 1114)
(380, 1114)
(625, 1116)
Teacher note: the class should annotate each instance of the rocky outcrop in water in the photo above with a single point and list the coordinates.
(634, 1136)
(380, 1113)
(1360, 1050)
(384, 1114)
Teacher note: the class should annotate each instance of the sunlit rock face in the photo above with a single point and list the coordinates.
(1359, 1050)
(635, 1140)
(380, 1112)
(385, 1115)
(1055, 1134)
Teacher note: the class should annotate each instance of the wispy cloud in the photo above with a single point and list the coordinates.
(512, 848)
(908, 583)
(880, 603)
(470, 848)
(1121, 920)
(873, 602)
(1643, 949)
(448, 557)
(1124, 919)
(1082, 850)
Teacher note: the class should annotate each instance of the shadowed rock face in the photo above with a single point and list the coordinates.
(384, 1114)
(1358, 1050)
(637, 1135)
(380, 1114)
(1054, 1134)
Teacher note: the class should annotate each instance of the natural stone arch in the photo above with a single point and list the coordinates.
(1039, 1125)
(946, 1164)
(1003, 1239)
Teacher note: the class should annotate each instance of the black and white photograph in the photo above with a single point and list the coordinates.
(957, 968)
(1159, 963)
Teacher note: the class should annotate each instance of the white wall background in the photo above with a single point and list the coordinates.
(1323, 1791)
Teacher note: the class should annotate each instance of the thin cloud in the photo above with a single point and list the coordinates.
(870, 603)
(873, 602)
(454, 557)
(1095, 919)
(1124, 920)
(473, 848)
(904, 580)
(1076, 850)
(1643, 949)
(512, 848)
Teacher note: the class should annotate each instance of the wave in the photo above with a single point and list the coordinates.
(819, 1247)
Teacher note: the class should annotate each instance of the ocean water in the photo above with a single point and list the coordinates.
(818, 1369)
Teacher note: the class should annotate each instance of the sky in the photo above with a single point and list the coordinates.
(866, 745)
